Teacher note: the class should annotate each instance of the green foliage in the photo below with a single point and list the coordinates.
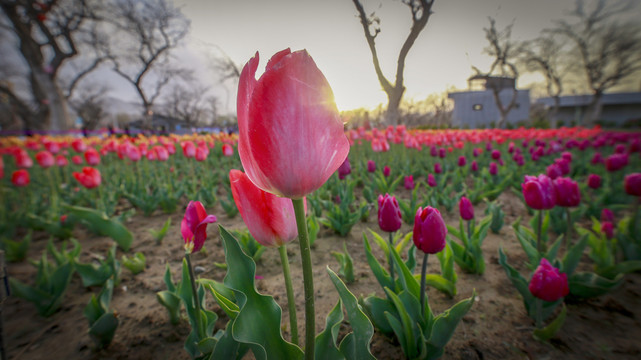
(313, 228)
(159, 235)
(16, 251)
(99, 223)
(136, 264)
(408, 209)
(250, 246)
(469, 255)
(346, 264)
(342, 217)
(102, 321)
(494, 209)
(97, 275)
(629, 236)
(49, 289)
(229, 205)
(64, 255)
(386, 185)
(170, 298)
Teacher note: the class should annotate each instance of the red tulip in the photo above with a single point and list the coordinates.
(201, 153)
(539, 192)
(228, 150)
(76, 159)
(548, 283)
(89, 177)
(92, 157)
(45, 159)
(633, 184)
(269, 218)
(189, 149)
(79, 146)
(20, 178)
(466, 209)
(23, 159)
(567, 192)
(429, 230)
(291, 137)
(194, 226)
(61, 161)
(594, 181)
(389, 213)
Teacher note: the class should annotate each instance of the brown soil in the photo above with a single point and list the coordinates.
(496, 327)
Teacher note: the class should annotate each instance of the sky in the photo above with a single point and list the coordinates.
(330, 31)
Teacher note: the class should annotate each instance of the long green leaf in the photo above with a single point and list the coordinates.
(101, 224)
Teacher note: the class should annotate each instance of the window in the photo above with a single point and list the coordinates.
(477, 107)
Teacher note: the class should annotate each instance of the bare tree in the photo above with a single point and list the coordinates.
(47, 34)
(609, 51)
(546, 56)
(89, 105)
(187, 104)
(505, 52)
(421, 11)
(150, 30)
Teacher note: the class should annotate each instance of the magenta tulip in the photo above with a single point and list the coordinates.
(608, 229)
(431, 181)
(462, 161)
(386, 171)
(548, 283)
(389, 213)
(345, 169)
(594, 181)
(465, 208)
(616, 162)
(291, 137)
(539, 192)
(371, 166)
(429, 230)
(408, 182)
(632, 184)
(607, 215)
(194, 226)
(496, 154)
(494, 168)
(474, 166)
(553, 171)
(269, 218)
(567, 192)
(437, 168)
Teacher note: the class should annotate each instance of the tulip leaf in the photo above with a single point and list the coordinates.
(383, 277)
(444, 326)
(405, 332)
(549, 331)
(99, 223)
(573, 256)
(266, 341)
(376, 308)
(587, 284)
(326, 341)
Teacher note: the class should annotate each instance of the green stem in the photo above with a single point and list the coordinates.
(391, 260)
(469, 230)
(291, 303)
(308, 278)
(53, 200)
(568, 239)
(194, 292)
(538, 234)
(423, 272)
(539, 313)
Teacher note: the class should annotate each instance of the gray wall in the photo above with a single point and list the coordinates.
(464, 113)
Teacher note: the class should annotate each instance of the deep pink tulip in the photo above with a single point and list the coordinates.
(291, 137)
(76, 159)
(79, 146)
(20, 178)
(387, 171)
(607, 215)
(45, 159)
(161, 153)
(474, 166)
(494, 168)
(345, 169)
(548, 283)
(553, 171)
(201, 153)
(567, 192)
(92, 157)
(61, 160)
(462, 161)
(597, 158)
(608, 229)
(228, 150)
(189, 149)
(371, 166)
(431, 181)
(269, 218)
(539, 192)
(594, 181)
(389, 213)
(466, 209)
(496, 154)
(437, 168)
(632, 184)
(89, 177)
(616, 162)
(429, 230)
(408, 182)
(194, 226)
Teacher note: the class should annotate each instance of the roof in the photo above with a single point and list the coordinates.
(623, 98)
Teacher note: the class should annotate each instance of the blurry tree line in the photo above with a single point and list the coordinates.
(52, 47)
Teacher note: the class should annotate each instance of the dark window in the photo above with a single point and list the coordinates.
(517, 105)
(477, 107)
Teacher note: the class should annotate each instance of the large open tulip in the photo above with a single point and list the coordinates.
(20, 178)
(89, 177)
(539, 192)
(194, 226)
(632, 184)
(548, 283)
(269, 218)
(45, 159)
(291, 137)
(92, 157)
(567, 192)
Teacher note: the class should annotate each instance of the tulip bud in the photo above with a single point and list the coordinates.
(474, 166)
(441, 153)
(194, 226)
(20, 178)
(539, 192)
(437, 168)
(431, 181)
(633, 184)
(607, 215)
(462, 161)
(553, 171)
(616, 162)
(567, 192)
(494, 168)
(594, 181)
(548, 283)
(389, 213)
(371, 166)
(345, 169)
(466, 209)
(386, 171)
(429, 230)
(45, 159)
(608, 229)
(228, 150)
(408, 182)
(496, 154)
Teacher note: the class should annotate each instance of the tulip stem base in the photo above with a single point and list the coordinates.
(539, 313)
(391, 259)
(192, 280)
(308, 277)
(568, 234)
(291, 302)
(538, 233)
(423, 273)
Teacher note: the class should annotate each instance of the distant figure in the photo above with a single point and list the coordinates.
(111, 130)
(85, 131)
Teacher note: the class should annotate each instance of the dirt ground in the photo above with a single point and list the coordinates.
(497, 326)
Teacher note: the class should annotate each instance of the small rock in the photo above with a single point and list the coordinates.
(199, 270)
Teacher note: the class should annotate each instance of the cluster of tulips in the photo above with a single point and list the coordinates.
(300, 167)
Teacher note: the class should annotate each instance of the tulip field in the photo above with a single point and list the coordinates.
(298, 239)
(92, 236)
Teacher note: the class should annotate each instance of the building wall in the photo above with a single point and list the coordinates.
(617, 114)
(477, 109)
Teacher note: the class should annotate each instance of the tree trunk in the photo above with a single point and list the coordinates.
(50, 96)
(594, 109)
(555, 111)
(394, 101)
